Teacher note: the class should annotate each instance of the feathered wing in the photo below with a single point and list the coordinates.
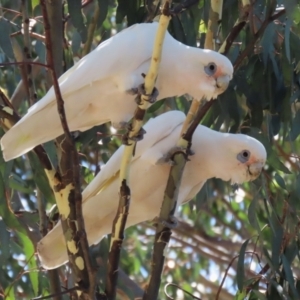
(157, 129)
(87, 89)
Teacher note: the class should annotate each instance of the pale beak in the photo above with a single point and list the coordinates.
(222, 82)
(255, 169)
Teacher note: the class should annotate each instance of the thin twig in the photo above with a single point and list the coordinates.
(257, 35)
(27, 54)
(16, 63)
(91, 30)
(179, 288)
(76, 288)
(227, 270)
(236, 29)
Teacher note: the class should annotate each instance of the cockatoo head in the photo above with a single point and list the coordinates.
(211, 74)
(246, 157)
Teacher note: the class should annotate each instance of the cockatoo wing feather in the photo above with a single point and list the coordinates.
(164, 127)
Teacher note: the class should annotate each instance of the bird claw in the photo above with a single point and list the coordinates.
(171, 223)
(120, 125)
(168, 158)
(138, 137)
(140, 90)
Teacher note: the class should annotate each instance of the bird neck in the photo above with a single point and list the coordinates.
(210, 153)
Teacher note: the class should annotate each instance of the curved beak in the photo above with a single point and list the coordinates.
(255, 169)
(222, 82)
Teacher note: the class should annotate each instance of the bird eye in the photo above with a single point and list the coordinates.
(210, 69)
(243, 156)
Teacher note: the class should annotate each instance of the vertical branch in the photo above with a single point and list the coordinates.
(166, 216)
(119, 222)
(55, 16)
(215, 17)
(169, 205)
(269, 18)
(91, 30)
(190, 116)
(27, 53)
(67, 188)
(237, 27)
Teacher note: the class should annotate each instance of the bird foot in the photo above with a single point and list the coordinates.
(140, 90)
(120, 125)
(138, 137)
(171, 223)
(169, 157)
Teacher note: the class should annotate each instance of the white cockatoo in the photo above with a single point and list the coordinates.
(98, 88)
(234, 157)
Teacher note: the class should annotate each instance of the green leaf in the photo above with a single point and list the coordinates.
(76, 42)
(280, 181)
(287, 31)
(34, 3)
(278, 164)
(5, 43)
(252, 214)
(40, 178)
(13, 223)
(40, 50)
(240, 295)
(277, 236)
(259, 295)
(77, 18)
(4, 240)
(240, 273)
(29, 251)
(9, 293)
(289, 276)
(295, 130)
(103, 5)
(156, 106)
(16, 183)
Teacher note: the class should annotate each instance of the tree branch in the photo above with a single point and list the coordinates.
(27, 54)
(214, 21)
(257, 35)
(163, 232)
(237, 27)
(124, 200)
(67, 189)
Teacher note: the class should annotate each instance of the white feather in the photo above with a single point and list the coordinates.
(95, 90)
(215, 156)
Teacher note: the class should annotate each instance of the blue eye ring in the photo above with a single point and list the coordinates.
(244, 156)
(210, 69)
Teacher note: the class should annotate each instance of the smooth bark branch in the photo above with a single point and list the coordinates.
(119, 222)
(27, 53)
(163, 232)
(199, 116)
(67, 188)
(190, 116)
(215, 17)
(168, 209)
(91, 30)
